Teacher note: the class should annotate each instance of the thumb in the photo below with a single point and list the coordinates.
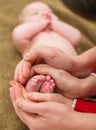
(33, 107)
(45, 69)
(34, 53)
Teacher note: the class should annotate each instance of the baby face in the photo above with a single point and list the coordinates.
(36, 12)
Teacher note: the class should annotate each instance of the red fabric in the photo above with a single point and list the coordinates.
(85, 106)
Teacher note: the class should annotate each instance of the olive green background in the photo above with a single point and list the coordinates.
(9, 56)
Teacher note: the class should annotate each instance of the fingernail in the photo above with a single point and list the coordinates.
(19, 103)
(29, 95)
(13, 83)
(27, 55)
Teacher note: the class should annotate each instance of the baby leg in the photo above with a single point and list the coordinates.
(40, 83)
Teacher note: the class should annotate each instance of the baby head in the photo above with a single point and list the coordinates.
(36, 11)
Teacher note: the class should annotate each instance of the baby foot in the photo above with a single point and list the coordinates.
(40, 83)
(48, 85)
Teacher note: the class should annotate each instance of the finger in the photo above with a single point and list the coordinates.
(18, 89)
(23, 116)
(47, 70)
(12, 93)
(22, 71)
(61, 78)
(26, 68)
(39, 97)
(45, 97)
(31, 56)
(39, 52)
(32, 107)
(13, 98)
(16, 72)
(19, 98)
(50, 55)
(20, 75)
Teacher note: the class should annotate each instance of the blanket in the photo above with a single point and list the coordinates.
(9, 56)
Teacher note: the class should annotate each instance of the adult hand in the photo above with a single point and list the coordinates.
(49, 55)
(66, 83)
(80, 66)
(49, 97)
(37, 117)
(49, 115)
(22, 71)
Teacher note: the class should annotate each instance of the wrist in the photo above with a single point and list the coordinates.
(79, 67)
(76, 121)
(73, 65)
(85, 121)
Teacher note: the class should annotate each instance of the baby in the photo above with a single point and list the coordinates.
(38, 25)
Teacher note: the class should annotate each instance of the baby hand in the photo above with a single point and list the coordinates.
(46, 21)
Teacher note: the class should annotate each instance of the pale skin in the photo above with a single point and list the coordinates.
(67, 84)
(46, 109)
(49, 31)
(46, 117)
(78, 120)
(41, 97)
(30, 31)
(82, 64)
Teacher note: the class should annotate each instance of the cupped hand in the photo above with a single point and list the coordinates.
(40, 115)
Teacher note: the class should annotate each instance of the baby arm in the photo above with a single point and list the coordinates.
(70, 33)
(22, 34)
